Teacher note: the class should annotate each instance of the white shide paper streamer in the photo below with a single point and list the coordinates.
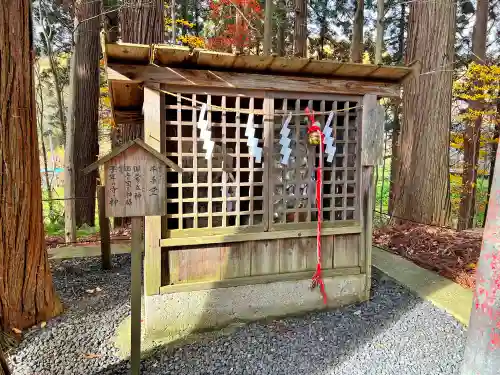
(205, 133)
(285, 141)
(329, 139)
(252, 142)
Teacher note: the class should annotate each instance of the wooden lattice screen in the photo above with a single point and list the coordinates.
(294, 186)
(231, 189)
(227, 189)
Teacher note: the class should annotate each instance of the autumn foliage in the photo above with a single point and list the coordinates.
(236, 24)
(479, 83)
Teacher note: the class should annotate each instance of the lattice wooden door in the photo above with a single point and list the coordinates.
(292, 186)
(231, 189)
(228, 189)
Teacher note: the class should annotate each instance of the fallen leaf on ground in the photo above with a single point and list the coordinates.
(447, 252)
(90, 291)
(16, 330)
(92, 355)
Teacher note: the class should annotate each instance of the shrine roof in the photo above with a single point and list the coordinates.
(131, 67)
(184, 57)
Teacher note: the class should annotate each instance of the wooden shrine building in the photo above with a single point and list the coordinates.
(239, 237)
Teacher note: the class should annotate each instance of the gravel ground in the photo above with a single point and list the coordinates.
(394, 333)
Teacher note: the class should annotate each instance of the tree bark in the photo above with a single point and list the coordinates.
(472, 131)
(69, 147)
(173, 14)
(282, 27)
(422, 186)
(112, 21)
(379, 41)
(396, 131)
(300, 29)
(196, 18)
(357, 33)
(4, 369)
(27, 294)
(397, 105)
(86, 108)
(142, 22)
(268, 27)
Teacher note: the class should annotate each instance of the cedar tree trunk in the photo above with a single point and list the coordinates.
(86, 108)
(397, 105)
(142, 21)
(282, 27)
(357, 33)
(422, 181)
(27, 295)
(300, 29)
(4, 369)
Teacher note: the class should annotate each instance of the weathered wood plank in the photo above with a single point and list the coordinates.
(346, 251)
(171, 55)
(268, 157)
(129, 190)
(372, 140)
(194, 265)
(253, 280)
(202, 78)
(154, 119)
(127, 52)
(368, 203)
(135, 145)
(126, 95)
(297, 254)
(327, 246)
(265, 258)
(236, 260)
(178, 55)
(233, 234)
(214, 59)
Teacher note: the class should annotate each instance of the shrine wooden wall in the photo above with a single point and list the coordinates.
(192, 249)
(240, 263)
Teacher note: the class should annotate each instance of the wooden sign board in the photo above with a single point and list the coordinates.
(135, 180)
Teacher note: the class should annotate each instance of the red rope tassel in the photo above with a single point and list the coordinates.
(317, 279)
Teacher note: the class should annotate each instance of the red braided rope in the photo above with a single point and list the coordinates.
(317, 279)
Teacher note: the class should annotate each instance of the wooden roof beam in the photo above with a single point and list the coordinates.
(218, 79)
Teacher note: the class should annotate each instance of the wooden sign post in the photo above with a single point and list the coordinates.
(135, 186)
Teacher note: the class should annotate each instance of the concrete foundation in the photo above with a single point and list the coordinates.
(177, 314)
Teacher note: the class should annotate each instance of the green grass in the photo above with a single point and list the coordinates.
(383, 186)
(54, 226)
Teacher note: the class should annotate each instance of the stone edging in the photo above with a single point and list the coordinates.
(443, 293)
